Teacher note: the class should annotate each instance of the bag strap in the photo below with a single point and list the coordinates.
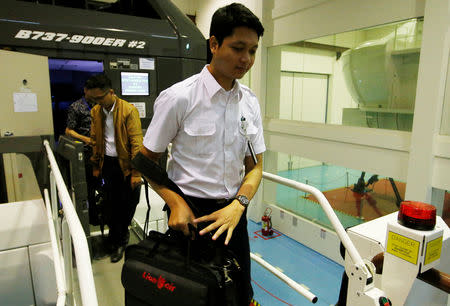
(156, 173)
(147, 215)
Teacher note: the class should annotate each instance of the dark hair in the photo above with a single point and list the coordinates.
(98, 81)
(229, 17)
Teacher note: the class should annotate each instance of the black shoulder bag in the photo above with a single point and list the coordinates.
(171, 269)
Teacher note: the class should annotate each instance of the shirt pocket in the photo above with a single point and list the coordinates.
(201, 137)
(250, 133)
(252, 130)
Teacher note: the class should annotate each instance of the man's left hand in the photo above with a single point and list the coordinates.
(135, 181)
(225, 219)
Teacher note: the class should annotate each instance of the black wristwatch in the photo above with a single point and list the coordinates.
(243, 200)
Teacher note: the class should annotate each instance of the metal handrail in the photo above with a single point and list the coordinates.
(337, 225)
(84, 267)
(293, 284)
(342, 234)
(59, 269)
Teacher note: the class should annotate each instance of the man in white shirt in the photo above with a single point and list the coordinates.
(209, 118)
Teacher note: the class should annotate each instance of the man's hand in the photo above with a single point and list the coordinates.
(90, 142)
(87, 140)
(180, 216)
(135, 181)
(96, 172)
(225, 219)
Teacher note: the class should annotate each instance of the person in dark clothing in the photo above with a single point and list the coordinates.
(78, 127)
(361, 191)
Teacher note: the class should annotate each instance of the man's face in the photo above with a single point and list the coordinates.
(98, 96)
(236, 55)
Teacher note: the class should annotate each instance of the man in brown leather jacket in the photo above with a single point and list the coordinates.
(116, 135)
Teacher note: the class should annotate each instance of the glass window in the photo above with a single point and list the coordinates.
(355, 196)
(361, 78)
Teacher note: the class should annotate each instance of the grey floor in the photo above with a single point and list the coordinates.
(106, 274)
(108, 286)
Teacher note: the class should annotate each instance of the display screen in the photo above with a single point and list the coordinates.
(134, 83)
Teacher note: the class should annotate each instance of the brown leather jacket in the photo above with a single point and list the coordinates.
(127, 134)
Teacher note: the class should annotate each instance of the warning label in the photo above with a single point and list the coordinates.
(433, 251)
(140, 107)
(403, 247)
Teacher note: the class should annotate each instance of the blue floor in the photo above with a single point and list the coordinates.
(321, 275)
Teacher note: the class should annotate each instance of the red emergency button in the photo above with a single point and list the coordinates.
(384, 301)
(417, 215)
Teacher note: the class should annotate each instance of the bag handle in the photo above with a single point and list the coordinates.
(192, 231)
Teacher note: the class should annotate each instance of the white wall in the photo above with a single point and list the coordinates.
(206, 8)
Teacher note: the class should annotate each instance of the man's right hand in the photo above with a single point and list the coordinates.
(180, 216)
(180, 213)
(96, 172)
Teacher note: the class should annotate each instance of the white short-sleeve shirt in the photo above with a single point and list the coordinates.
(204, 124)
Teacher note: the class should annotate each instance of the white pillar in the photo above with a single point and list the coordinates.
(429, 99)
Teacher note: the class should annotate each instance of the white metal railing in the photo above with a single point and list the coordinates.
(59, 270)
(337, 225)
(71, 230)
(293, 284)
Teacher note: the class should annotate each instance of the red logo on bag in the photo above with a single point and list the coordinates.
(160, 281)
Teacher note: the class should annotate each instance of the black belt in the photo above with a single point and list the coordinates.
(107, 157)
(219, 202)
(222, 201)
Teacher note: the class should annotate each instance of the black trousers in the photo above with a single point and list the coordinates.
(121, 201)
(239, 243)
(91, 183)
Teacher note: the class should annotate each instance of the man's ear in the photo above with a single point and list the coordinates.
(213, 44)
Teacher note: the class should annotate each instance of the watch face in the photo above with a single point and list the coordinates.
(243, 200)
